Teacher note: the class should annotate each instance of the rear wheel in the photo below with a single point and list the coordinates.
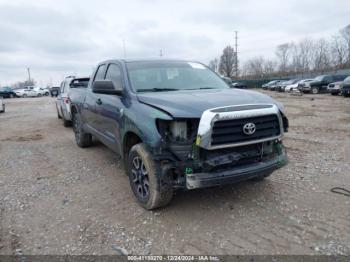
(81, 138)
(66, 123)
(150, 190)
(24, 95)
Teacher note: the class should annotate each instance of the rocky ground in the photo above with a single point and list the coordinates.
(57, 198)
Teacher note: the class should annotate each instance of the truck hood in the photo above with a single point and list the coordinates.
(192, 103)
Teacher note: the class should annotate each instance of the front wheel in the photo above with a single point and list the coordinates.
(314, 90)
(150, 189)
(39, 95)
(81, 138)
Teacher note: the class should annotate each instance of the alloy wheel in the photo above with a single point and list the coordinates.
(140, 179)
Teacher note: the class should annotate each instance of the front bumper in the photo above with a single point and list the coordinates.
(334, 90)
(201, 180)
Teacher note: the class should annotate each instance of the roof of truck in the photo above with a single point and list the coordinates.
(148, 60)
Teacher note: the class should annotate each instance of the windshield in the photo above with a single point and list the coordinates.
(347, 79)
(319, 78)
(154, 76)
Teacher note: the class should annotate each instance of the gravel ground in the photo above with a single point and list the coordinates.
(59, 199)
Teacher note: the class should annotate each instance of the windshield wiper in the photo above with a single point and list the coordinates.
(156, 89)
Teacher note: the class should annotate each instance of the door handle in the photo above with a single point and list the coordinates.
(99, 101)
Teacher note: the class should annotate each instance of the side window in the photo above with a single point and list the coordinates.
(100, 73)
(114, 73)
(328, 79)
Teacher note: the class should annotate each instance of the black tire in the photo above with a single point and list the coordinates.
(66, 123)
(47, 94)
(314, 90)
(145, 179)
(334, 94)
(39, 95)
(81, 138)
(24, 95)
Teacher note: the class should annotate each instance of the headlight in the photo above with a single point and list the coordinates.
(178, 130)
(280, 106)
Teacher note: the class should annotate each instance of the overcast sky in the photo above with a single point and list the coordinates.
(60, 38)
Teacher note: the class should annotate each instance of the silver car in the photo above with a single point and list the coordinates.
(63, 102)
(2, 105)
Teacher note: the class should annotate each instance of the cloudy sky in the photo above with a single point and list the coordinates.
(59, 38)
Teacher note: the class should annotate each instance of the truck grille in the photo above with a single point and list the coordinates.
(231, 131)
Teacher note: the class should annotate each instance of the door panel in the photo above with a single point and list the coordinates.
(109, 109)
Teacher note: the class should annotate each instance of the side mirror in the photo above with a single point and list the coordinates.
(105, 87)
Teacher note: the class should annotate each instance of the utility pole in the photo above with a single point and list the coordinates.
(28, 69)
(124, 49)
(236, 53)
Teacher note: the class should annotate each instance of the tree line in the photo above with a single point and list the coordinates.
(303, 57)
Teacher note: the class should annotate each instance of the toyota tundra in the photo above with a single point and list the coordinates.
(178, 125)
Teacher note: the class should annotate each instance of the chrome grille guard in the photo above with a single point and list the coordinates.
(210, 116)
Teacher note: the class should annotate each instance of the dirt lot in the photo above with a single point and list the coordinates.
(59, 199)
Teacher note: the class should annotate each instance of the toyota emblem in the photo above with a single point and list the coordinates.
(249, 128)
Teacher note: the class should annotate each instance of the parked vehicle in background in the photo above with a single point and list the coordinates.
(227, 80)
(7, 92)
(42, 91)
(54, 91)
(266, 86)
(320, 83)
(2, 105)
(294, 86)
(272, 87)
(63, 103)
(335, 88)
(29, 91)
(283, 85)
(145, 111)
(345, 88)
(240, 84)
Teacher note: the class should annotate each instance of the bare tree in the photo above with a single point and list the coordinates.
(258, 67)
(345, 33)
(321, 56)
(338, 51)
(214, 64)
(282, 53)
(227, 61)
